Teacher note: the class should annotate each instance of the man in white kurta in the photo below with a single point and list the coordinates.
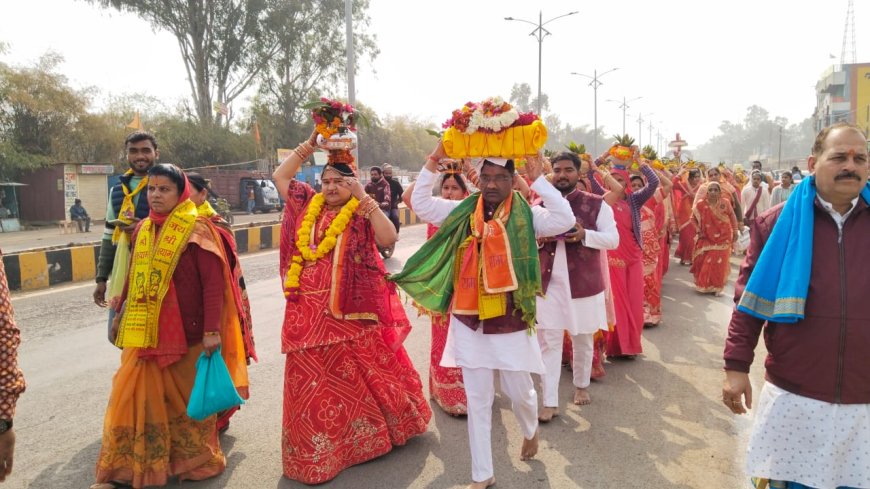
(559, 310)
(514, 355)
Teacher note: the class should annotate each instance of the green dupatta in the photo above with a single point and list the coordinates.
(428, 275)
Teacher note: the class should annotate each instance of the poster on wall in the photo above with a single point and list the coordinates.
(70, 187)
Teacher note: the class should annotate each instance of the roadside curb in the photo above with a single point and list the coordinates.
(42, 268)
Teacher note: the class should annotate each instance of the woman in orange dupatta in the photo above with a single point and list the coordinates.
(176, 304)
(684, 199)
(445, 383)
(717, 230)
(200, 192)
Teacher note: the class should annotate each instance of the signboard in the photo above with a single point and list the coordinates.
(96, 169)
(70, 185)
(283, 154)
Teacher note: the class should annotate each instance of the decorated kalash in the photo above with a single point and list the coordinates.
(344, 325)
(481, 267)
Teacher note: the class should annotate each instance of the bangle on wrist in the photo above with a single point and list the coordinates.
(211, 333)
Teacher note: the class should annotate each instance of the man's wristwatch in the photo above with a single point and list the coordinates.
(5, 425)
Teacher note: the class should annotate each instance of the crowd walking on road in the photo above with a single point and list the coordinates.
(530, 264)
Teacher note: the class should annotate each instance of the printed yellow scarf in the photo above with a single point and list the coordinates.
(155, 256)
(128, 209)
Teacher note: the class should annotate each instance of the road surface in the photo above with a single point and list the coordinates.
(655, 422)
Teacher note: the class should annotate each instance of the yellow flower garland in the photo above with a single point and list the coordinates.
(305, 233)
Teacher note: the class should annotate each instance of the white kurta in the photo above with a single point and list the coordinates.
(585, 315)
(516, 351)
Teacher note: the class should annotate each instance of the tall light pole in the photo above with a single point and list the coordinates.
(351, 63)
(640, 120)
(595, 83)
(624, 105)
(779, 151)
(540, 33)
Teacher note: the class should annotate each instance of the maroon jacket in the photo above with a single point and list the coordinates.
(827, 355)
(584, 264)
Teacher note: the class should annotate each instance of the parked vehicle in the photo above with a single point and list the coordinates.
(265, 194)
(232, 184)
(222, 207)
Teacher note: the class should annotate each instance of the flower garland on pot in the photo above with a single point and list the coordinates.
(493, 115)
(493, 128)
(330, 116)
(305, 237)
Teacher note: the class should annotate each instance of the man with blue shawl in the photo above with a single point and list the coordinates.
(804, 283)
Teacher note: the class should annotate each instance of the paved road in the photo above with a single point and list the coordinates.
(656, 422)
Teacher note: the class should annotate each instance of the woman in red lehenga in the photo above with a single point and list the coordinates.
(684, 199)
(445, 383)
(717, 231)
(350, 390)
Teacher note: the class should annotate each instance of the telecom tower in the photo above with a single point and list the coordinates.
(849, 31)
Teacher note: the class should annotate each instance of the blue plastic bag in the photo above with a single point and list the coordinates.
(213, 389)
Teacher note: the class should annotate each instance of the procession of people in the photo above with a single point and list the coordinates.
(530, 263)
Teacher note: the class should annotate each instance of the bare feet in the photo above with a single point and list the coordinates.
(582, 397)
(547, 414)
(483, 484)
(530, 448)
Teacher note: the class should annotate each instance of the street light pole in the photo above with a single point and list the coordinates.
(595, 83)
(624, 105)
(640, 120)
(539, 34)
(348, 20)
(779, 151)
(640, 130)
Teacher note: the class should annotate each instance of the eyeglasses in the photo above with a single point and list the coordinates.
(486, 179)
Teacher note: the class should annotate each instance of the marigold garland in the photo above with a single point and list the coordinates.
(304, 236)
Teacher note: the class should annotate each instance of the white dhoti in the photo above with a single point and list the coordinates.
(581, 318)
(514, 356)
(551, 341)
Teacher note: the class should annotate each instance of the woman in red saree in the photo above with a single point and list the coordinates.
(684, 199)
(175, 305)
(652, 222)
(200, 191)
(626, 261)
(717, 230)
(350, 390)
(445, 383)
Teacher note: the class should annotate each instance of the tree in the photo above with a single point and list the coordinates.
(37, 109)
(217, 40)
(758, 137)
(311, 60)
(520, 95)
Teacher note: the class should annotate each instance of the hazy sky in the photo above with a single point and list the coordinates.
(694, 63)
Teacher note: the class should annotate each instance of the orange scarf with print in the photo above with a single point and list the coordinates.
(485, 254)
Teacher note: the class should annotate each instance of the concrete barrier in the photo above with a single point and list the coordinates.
(42, 268)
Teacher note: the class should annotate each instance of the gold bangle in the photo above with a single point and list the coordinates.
(211, 333)
(303, 151)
